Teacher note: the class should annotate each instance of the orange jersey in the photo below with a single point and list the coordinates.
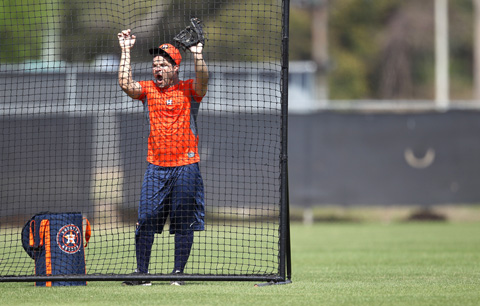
(172, 112)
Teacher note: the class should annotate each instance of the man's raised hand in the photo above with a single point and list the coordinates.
(196, 49)
(125, 39)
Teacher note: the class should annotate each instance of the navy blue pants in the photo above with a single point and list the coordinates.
(169, 192)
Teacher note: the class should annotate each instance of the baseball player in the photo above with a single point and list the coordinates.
(172, 186)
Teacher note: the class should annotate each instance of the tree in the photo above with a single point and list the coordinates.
(385, 49)
(21, 21)
(243, 29)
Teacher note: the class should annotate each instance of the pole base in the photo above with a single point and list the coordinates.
(271, 283)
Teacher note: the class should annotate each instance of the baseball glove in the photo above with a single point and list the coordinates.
(191, 35)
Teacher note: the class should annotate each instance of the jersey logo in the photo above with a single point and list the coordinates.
(191, 154)
(169, 102)
(69, 239)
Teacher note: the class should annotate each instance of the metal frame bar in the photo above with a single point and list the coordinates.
(285, 248)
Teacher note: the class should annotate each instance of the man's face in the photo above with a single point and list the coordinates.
(163, 72)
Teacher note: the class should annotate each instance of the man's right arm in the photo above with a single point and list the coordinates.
(125, 80)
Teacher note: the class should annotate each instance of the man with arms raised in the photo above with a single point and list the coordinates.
(172, 185)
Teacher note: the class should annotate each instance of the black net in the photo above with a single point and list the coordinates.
(73, 141)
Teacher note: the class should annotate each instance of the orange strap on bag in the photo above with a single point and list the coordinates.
(45, 240)
(31, 236)
(88, 231)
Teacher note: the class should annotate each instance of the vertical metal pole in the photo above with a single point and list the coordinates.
(319, 28)
(476, 51)
(441, 55)
(51, 39)
(285, 252)
(71, 87)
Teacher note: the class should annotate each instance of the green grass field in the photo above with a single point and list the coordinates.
(366, 263)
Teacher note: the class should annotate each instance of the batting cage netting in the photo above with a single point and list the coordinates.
(123, 159)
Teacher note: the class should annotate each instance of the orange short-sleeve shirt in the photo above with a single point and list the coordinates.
(172, 112)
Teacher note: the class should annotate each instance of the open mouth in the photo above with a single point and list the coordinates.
(159, 80)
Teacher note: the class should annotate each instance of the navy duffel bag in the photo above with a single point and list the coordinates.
(56, 242)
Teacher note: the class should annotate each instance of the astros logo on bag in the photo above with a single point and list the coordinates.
(69, 239)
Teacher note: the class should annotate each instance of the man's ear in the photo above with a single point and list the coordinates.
(176, 68)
